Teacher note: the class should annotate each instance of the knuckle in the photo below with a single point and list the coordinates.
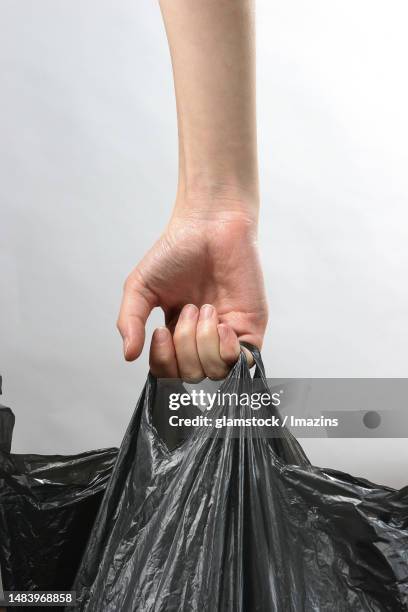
(133, 281)
(192, 377)
(230, 357)
(181, 333)
(263, 319)
(216, 372)
(204, 333)
(128, 284)
(160, 359)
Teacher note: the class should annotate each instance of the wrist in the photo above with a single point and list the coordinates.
(217, 200)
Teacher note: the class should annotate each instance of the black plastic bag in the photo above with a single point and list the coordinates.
(7, 421)
(225, 523)
(47, 508)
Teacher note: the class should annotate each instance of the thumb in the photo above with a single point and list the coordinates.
(137, 303)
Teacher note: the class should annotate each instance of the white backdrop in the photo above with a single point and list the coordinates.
(88, 172)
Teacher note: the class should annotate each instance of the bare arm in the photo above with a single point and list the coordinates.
(212, 45)
(208, 252)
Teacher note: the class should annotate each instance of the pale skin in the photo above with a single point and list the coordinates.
(204, 271)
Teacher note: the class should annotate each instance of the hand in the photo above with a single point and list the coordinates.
(199, 348)
(202, 258)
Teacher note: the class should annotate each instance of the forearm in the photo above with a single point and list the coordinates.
(212, 45)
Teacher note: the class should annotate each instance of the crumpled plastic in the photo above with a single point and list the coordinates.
(7, 421)
(48, 506)
(232, 522)
(238, 522)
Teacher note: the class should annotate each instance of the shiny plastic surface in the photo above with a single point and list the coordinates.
(6, 428)
(233, 524)
(47, 508)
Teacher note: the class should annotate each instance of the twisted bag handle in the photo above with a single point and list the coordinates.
(259, 366)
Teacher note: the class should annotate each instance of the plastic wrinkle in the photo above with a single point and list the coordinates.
(231, 522)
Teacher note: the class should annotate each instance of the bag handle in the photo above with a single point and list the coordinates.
(259, 366)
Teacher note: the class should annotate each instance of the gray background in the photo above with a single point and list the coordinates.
(88, 171)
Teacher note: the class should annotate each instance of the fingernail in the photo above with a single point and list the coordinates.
(206, 311)
(161, 334)
(222, 331)
(125, 346)
(189, 312)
